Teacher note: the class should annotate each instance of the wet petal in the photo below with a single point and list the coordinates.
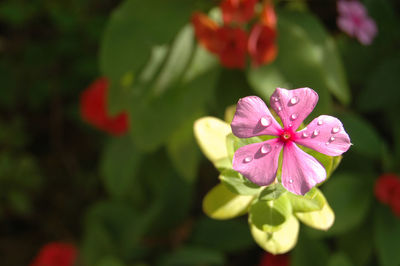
(293, 106)
(326, 135)
(259, 161)
(300, 171)
(252, 118)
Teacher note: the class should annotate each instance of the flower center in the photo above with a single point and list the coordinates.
(286, 135)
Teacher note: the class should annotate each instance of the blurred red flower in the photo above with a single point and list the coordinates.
(239, 11)
(269, 259)
(206, 31)
(56, 254)
(385, 187)
(234, 47)
(395, 201)
(94, 111)
(262, 46)
(268, 15)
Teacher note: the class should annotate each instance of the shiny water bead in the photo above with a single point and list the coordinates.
(315, 133)
(294, 116)
(305, 135)
(275, 99)
(248, 159)
(266, 148)
(335, 130)
(320, 122)
(294, 100)
(291, 181)
(266, 121)
(331, 139)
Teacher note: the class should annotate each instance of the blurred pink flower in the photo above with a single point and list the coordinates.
(354, 20)
(259, 161)
(56, 254)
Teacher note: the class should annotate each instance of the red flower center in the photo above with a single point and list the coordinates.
(286, 135)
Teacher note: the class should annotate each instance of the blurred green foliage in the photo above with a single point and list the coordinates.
(137, 200)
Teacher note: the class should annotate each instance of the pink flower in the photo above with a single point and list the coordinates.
(354, 20)
(259, 161)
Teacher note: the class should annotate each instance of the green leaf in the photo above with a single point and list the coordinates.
(386, 232)
(133, 29)
(364, 137)
(220, 203)
(211, 133)
(280, 241)
(309, 252)
(118, 166)
(184, 152)
(350, 195)
(238, 184)
(110, 261)
(381, 91)
(272, 192)
(270, 216)
(322, 219)
(195, 256)
(112, 229)
(174, 97)
(314, 200)
(308, 55)
(339, 259)
(226, 236)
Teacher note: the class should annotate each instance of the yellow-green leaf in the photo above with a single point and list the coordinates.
(280, 241)
(314, 200)
(321, 220)
(220, 203)
(210, 133)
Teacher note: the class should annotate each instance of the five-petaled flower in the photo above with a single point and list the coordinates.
(354, 20)
(94, 110)
(56, 254)
(259, 161)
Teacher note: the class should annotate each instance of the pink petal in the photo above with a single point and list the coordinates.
(367, 31)
(355, 8)
(326, 135)
(259, 161)
(344, 8)
(300, 171)
(252, 118)
(346, 25)
(293, 106)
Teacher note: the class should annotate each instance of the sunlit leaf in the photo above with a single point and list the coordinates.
(270, 215)
(314, 200)
(321, 219)
(280, 241)
(211, 133)
(220, 203)
(272, 192)
(238, 184)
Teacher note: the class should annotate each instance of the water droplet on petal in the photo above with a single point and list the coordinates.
(335, 130)
(248, 159)
(294, 116)
(320, 122)
(266, 121)
(266, 148)
(315, 133)
(276, 99)
(279, 108)
(331, 139)
(305, 135)
(291, 181)
(294, 100)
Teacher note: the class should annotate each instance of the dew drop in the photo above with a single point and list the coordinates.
(276, 99)
(335, 130)
(291, 181)
(320, 122)
(331, 139)
(265, 121)
(294, 116)
(266, 148)
(279, 108)
(315, 133)
(248, 159)
(305, 135)
(294, 100)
